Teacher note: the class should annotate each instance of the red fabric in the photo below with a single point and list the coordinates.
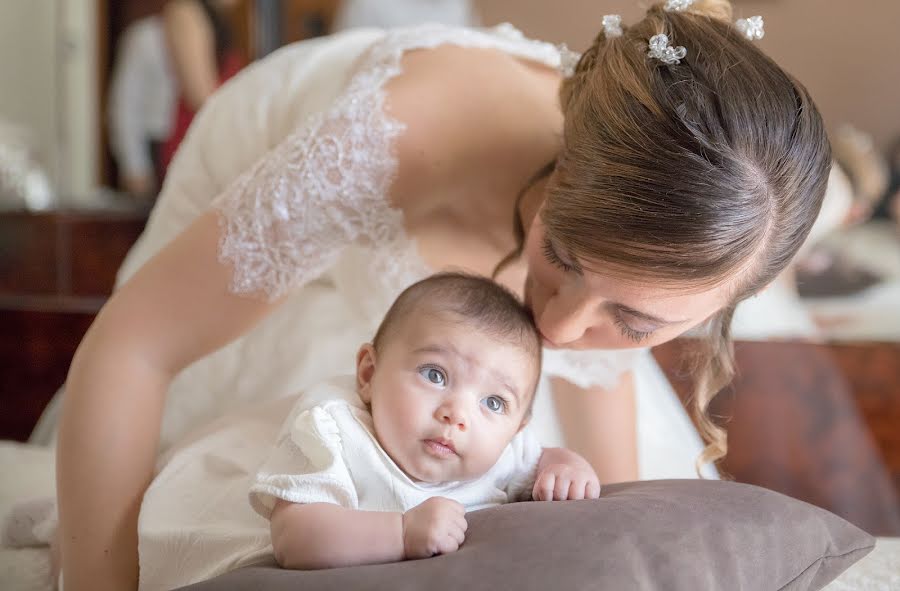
(231, 65)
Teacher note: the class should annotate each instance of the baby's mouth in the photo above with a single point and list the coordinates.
(440, 447)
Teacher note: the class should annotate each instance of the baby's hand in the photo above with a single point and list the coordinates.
(564, 475)
(437, 526)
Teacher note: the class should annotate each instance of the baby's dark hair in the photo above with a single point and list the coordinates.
(495, 310)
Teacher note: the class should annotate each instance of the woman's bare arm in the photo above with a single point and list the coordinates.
(175, 310)
(601, 425)
(192, 46)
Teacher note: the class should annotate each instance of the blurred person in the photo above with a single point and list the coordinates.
(142, 95)
(203, 57)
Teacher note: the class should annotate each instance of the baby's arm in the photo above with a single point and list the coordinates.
(564, 475)
(325, 535)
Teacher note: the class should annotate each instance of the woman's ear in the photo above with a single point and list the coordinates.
(365, 370)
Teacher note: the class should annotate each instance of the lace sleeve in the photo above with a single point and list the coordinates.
(285, 221)
(587, 369)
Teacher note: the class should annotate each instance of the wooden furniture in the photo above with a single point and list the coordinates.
(816, 422)
(56, 270)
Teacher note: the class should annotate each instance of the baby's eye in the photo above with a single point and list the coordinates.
(495, 404)
(433, 375)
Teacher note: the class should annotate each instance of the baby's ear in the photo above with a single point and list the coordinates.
(365, 370)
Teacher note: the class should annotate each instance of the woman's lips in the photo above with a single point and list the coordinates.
(440, 448)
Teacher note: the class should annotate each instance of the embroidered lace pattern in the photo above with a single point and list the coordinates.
(286, 220)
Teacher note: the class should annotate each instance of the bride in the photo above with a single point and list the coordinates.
(642, 193)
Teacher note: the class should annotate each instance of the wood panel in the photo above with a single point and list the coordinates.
(63, 254)
(35, 353)
(56, 270)
(811, 421)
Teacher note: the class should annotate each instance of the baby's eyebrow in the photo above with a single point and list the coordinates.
(498, 375)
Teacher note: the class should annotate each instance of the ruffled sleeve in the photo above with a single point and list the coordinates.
(306, 466)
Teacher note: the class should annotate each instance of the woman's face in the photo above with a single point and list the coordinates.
(587, 310)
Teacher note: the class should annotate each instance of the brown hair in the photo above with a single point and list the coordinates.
(490, 307)
(707, 172)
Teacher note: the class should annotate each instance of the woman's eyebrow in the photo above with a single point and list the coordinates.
(643, 315)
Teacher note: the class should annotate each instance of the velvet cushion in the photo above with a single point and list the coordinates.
(668, 535)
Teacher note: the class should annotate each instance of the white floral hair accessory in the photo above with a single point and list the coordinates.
(751, 28)
(568, 60)
(678, 5)
(661, 50)
(612, 25)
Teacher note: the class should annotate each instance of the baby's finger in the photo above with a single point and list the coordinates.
(561, 489)
(592, 489)
(461, 522)
(449, 544)
(577, 490)
(457, 533)
(543, 487)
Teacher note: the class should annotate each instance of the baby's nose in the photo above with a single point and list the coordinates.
(451, 413)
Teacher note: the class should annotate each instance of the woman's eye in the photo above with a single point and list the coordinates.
(433, 375)
(553, 258)
(630, 333)
(495, 404)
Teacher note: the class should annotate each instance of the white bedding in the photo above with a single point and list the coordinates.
(29, 471)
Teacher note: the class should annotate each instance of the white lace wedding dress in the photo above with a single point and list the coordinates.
(296, 154)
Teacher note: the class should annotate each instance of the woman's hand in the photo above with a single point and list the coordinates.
(437, 526)
(563, 475)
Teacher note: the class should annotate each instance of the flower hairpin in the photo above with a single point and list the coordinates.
(568, 60)
(751, 28)
(678, 5)
(612, 25)
(661, 50)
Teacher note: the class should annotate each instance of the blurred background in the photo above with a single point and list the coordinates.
(96, 95)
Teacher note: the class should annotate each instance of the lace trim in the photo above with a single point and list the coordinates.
(286, 220)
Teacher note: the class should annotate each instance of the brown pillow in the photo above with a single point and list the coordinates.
(665, 534)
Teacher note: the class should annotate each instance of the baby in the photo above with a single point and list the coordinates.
(377, 467)
(383, 468)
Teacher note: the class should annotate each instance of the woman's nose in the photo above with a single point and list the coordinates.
(451, 413)
(565, 320)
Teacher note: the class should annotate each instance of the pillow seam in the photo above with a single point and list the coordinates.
(820, 559)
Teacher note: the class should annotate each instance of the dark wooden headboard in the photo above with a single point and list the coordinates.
(818, 422)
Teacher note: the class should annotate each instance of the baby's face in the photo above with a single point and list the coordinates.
(446, 399)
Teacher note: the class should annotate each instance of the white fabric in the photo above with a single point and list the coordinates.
(400, 13)
(142, 95)
(196, 519)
